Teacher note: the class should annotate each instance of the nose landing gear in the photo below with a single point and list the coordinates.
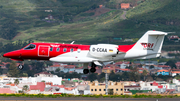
(20, 67)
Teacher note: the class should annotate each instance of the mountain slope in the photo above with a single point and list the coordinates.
(75, 20)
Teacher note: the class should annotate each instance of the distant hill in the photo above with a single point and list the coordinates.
(83, 21)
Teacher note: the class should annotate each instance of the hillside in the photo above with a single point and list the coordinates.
(83, 21)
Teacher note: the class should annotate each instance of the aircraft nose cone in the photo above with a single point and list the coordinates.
(13, 54)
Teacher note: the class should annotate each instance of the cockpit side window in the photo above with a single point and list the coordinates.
(31, 46)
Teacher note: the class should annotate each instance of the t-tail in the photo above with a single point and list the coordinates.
(148, 46)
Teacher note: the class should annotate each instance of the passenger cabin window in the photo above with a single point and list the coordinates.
(51, 49)
(72, 50)
(79, 50)
(31, 46)
(57, 49)
(64, 50)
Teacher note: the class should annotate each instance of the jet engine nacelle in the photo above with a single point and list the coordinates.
(103, 50)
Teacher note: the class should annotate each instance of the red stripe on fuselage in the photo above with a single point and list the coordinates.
(125, 48)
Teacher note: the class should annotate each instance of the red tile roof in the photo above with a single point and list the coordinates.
(55, 65)
(163, 66)
(11, 84)
(60, 86)
(69, 66)
(175, 72)
(69, 88)
(125, 69)
(80, 67)
(40, 86)
(71, 71)
(111, 68)
(125, 5)
(163, 70)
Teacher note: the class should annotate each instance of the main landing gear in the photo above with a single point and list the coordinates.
(92, 70)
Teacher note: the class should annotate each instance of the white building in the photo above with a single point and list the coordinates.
(79, 70)
(55, 79)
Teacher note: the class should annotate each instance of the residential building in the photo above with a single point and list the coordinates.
(174, 73)
(132, 87)
(79, 70)
(163, 72)
(122, 64)
(162, 67)
(122, 70)
(6, 90)
(178, 64)
(69, 68)
(99, 88)
(43, 74)
(147, 62)
(39, 87)
(125, 5)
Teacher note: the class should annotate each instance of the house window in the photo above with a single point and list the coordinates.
(121, 89)
(95, 89)
(91, 89)
(104, 89)
(57, 49)
(64, 50)
(99, 89)
(116, 89)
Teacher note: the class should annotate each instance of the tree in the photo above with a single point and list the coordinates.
(102, 79)
(25, 88)
(171, 63)
(9, 29)
(16, 81)
(144, 74)
(151, 67)
(92, 76)
(13, 71)
(57, 70)
(43, 81)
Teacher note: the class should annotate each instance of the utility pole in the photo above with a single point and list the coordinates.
(106, 78)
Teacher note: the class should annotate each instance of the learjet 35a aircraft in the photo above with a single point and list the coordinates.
(148, 46)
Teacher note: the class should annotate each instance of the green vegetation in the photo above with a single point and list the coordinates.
(13, 71)
(84, 22)
(94, 96)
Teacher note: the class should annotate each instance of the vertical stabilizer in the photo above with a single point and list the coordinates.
(149, 44)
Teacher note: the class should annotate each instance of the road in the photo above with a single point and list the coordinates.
(85, 99)
(123, 16)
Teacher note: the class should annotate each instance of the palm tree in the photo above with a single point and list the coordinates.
(144, 74)
(16, 81)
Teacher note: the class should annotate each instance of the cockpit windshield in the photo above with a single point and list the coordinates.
(31, 46)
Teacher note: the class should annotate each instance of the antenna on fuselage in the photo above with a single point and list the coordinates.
(72, 42)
